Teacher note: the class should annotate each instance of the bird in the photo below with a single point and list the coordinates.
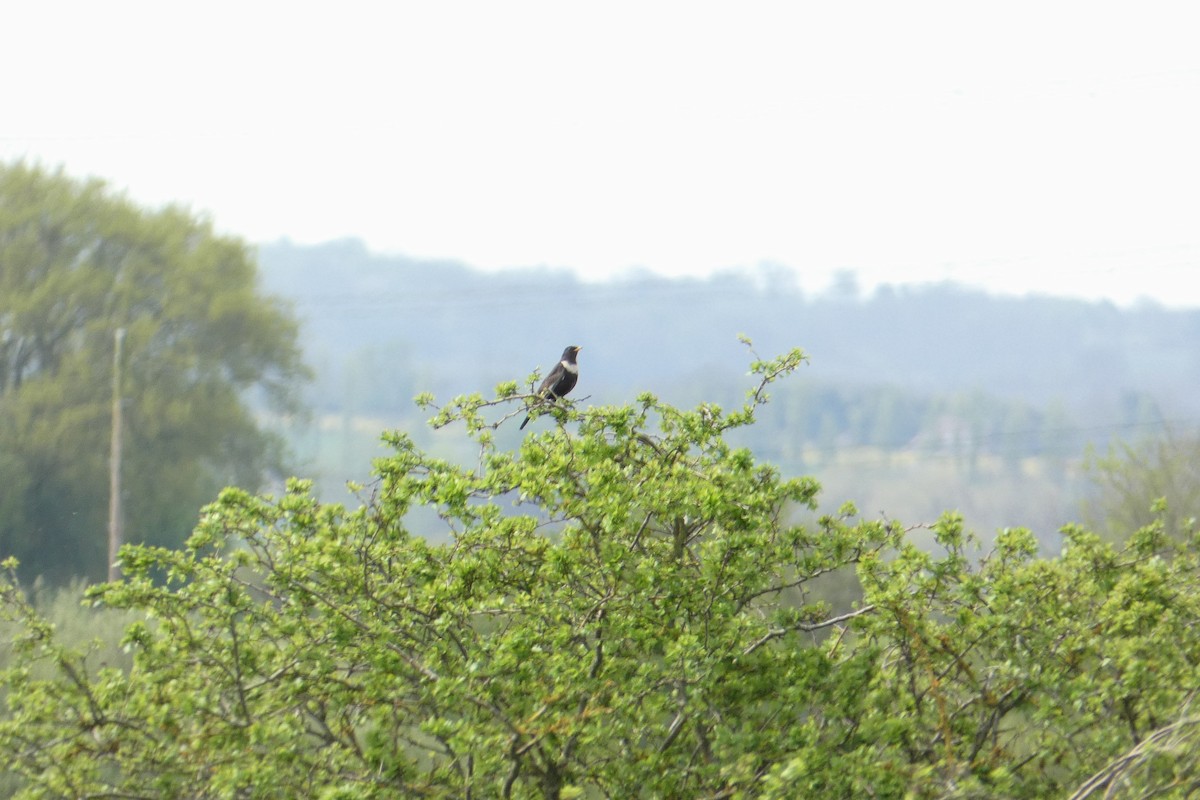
(561, 379)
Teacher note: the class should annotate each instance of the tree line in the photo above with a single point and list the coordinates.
(443, 327)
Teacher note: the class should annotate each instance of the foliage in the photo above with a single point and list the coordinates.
(77, 263)
(623, 610)
(1019, 676)
(1135, 483)
(94, 629)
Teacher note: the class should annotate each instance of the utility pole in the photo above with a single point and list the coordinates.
(116, 532)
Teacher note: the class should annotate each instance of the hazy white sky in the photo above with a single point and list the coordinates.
(1040, 146)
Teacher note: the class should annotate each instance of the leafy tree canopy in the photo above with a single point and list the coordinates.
(623, 610)
(78, 262)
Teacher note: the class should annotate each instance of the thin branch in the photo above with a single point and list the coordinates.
(1161, 739)
(807, 627)
(673, 731)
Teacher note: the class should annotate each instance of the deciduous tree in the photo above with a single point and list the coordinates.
(78, 262)
(1135, 482)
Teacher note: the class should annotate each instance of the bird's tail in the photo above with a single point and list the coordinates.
(523, 424)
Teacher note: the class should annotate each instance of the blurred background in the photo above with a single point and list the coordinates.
(979, 223)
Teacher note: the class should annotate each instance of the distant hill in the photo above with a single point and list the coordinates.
(452, 329)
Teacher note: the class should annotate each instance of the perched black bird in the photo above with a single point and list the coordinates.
(561, 379)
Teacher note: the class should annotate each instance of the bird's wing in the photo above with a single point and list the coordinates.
(547, 387)
(565, 383)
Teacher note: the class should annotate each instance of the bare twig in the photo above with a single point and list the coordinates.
(1169, 738)
(776, 633)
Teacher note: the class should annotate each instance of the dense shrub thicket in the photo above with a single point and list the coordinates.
(623, 610)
